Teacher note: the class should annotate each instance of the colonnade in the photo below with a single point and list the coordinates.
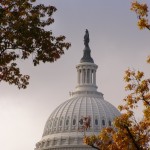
(86, 76)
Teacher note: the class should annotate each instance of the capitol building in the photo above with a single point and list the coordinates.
(64, 127)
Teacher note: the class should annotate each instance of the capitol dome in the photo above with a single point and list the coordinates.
(64, 128)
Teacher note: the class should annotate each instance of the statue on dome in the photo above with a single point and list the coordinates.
(86, 38)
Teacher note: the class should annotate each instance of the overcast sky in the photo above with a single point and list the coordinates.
(116, 43)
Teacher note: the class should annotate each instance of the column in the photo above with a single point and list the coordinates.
(82, 74)
(78, 76)
(86, 76)
(90, 76)
(92, 72)
(94, 77)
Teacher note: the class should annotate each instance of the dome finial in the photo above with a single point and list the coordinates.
(86, 54)
(86, 38)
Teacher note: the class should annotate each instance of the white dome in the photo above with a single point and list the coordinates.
(65, 118)
(63, 128)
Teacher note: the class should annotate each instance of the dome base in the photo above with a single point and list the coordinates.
(66, 142)
(87, 93)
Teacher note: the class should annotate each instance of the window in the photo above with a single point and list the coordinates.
(96, 122)
(67, 121)
(74, 121)
(109, 123)
(81, 121)
(103, 122)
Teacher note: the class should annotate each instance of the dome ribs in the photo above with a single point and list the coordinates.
(74, 114)
(67, 115)
(99, 114)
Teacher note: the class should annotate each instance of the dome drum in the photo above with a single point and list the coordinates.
(65, 142)
(88, 93)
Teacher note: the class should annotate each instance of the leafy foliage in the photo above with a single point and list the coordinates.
(142, 13)
(23, 34)
(128, 133)
(141, 10)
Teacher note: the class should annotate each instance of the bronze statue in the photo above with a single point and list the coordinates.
(86, 38)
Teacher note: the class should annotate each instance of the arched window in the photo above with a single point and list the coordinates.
(109, 123)
(81, 121)
(67, 121)
(74, 121)
(103, 122)
(96, 122)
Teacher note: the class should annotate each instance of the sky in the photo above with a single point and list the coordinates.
(116, 44)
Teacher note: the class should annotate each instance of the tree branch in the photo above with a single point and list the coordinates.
(131, 136)
(95, 147)
(148, 103)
